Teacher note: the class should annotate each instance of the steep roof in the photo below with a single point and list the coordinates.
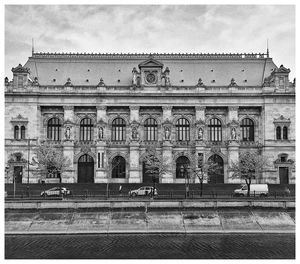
(116, 69)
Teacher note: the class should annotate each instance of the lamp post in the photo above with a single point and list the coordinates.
(28, 166)
(182, 175)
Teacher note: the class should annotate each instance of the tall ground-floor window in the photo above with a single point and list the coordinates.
(118, 167)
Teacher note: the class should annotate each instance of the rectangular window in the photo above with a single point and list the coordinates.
(99, 160)
(102, 160)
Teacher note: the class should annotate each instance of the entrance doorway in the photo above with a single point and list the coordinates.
(284, 175)
(85, 169)
(148, 177)
(218, 175)
(18, 173)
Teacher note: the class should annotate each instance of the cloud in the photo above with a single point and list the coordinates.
(149, 28)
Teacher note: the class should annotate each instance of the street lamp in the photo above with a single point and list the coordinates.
(28, 166)
(182, 175)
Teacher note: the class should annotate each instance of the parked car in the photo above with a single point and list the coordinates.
(255, 189)
(56, 191)
(144, 191)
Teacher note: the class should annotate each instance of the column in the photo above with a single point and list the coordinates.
(167, 145)
(68, 176)
(134, 147)
(101, 147)
(233, 144)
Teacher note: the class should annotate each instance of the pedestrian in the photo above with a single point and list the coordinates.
(120, 189)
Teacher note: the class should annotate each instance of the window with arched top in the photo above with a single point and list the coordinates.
(285, 133)
(22, 132)
(118, 167)
(215, 130)
(118, 130)
(183, 129)
(182, 167)
(16, 132)
(86, 127)
(53, 129)
(247, 127)
(150, 129)
(278, 132)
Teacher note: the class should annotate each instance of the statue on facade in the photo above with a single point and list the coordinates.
(167, 133)
(200, 83)
(233, 133)
(134, 134)
(200, 134)
(167, 77)
(100, 133)
(68, 133)
(134, 76)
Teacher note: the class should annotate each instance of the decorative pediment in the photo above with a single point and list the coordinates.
(134, 124)
(151, 63)
(16, 157)
(101, 123)
(200, 123)
(233, 123)
(167, 122)
(20, 69)
(282, 69)
(19, 119)
(281, 120)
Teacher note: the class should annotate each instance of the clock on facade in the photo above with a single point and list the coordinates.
(151, 78)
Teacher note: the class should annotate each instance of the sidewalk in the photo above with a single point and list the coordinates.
(162, 221)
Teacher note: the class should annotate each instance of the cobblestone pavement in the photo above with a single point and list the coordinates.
(155, 246)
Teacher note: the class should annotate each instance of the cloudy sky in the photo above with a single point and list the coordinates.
(156, 28)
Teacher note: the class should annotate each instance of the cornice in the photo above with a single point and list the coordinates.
(152, 55)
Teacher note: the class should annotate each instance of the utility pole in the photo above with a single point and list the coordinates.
(28, 166)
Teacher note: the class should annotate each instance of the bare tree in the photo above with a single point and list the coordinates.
(50, 159)
(204, 169)
(249, 165)
(156, 165)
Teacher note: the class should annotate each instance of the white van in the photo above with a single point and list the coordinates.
(255, 189)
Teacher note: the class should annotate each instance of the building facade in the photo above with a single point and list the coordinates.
(104, 111)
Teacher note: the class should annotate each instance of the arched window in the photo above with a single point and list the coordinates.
(278, 132)
(16, 132)
(22, 132)
(247, 127)
(215, 130)
(86, 128)
(216, 174)
(53, 129)
(118, 129)
(150, 126)
(183, 129)
(118, 167)
(182, 164)
(285, 133)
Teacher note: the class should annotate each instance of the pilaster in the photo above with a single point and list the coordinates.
(134, 156)
(168, 158)
(134, 113)
(101, 163)
(167, 113)
(200, 113)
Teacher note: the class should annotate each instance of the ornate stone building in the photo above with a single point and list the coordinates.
(105, 110)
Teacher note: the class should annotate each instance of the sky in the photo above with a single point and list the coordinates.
(150, 28)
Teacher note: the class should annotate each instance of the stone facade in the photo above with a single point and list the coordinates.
(167, 88)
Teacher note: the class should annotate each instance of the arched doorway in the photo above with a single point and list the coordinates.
(118, 167)
(85, 169)
(182, 165)
(217, 176)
